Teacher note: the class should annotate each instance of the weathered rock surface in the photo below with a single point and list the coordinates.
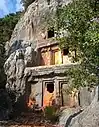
(76, 117)
(30, 25)
(21, 49)
(67, 115)
(47, 70)
(89, 117)
(20, 57)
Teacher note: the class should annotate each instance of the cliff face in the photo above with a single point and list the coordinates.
(21, 49)
(32, 21)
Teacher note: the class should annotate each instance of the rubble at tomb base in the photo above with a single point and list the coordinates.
(37, 119)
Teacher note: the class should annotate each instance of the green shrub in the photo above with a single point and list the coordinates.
(51, 113)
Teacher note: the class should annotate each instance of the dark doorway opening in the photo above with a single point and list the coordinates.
(65, 51)
(48, 1)
(50, 87)
(51, 33)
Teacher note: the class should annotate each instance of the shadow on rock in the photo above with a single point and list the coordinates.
(5, 105)
(71, 117)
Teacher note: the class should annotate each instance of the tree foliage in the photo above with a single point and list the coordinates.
(80, 19)
(2, 60)
(26, 3)
(7, 25)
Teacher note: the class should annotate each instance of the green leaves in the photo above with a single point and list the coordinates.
(80, 20)
(52, 113)
(2, 60)
(7, 25)
(26, 3)
(81, 77)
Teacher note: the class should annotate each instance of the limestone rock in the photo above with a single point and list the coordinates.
(89, 117)
(67, 115)
(21, 50)
(21, 55)
(30, 24)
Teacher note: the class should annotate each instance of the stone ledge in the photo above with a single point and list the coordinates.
(47, 70)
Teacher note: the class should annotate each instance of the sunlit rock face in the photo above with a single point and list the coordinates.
(89, 117)
(21, 56)
(33, 19)
(21, 50)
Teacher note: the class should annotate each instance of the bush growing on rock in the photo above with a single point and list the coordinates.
(51, 113)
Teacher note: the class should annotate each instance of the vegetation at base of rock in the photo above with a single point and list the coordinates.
(26, 3)
(80, 19)
(51, 113)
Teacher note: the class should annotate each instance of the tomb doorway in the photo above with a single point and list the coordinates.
(49, 94)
